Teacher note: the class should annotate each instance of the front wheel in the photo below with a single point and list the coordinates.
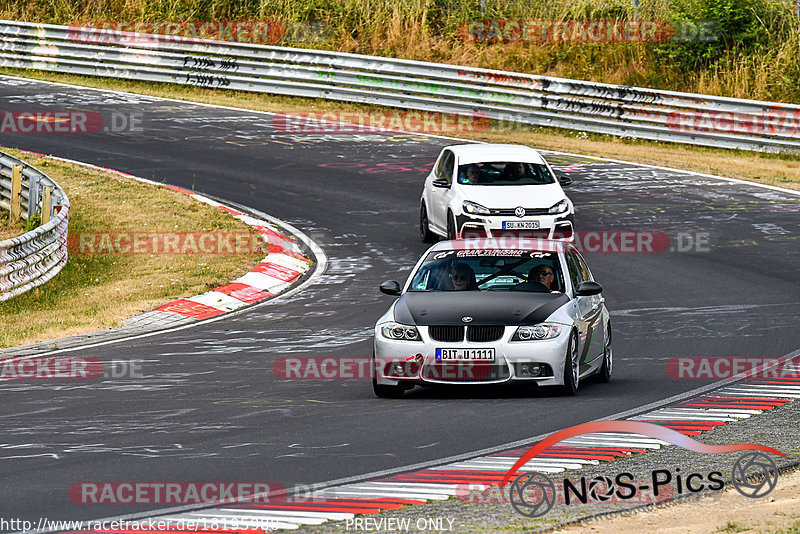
(425, 233)
(571, 367)
(608, 358)
(382, 390)
(451, 227)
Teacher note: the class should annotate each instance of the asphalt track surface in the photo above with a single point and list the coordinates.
(209, 407)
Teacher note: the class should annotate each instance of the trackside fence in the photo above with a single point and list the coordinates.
(537, 100)
(37, 256)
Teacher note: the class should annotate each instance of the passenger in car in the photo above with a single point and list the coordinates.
(463, 277)
(471, 176)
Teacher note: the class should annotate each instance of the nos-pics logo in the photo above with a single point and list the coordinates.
(533, 494)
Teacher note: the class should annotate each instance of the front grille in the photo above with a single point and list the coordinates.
(446, 333)
(465, 371)
(509, 212)
(485, 333)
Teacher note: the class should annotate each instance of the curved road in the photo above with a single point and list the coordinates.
(209, 407)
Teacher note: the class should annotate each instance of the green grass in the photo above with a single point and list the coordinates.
(95, 291)
(732, 527)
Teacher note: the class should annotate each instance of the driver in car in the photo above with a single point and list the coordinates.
(540, 279)
(514, 171)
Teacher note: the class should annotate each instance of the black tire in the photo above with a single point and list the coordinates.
(382, 390)
(425, 233)
(571, 367)
(451, 226)
(608, 358)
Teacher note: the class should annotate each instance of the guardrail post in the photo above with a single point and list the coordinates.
(16, 191)
(47, 208)
(33, 196)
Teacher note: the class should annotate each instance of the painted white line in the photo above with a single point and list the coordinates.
(508, 462)
(218, 300)
(606, 443)
(751, 393)
(262, 281)
(407, 486)
(703, 413)
(624, 437)
(384, 494)
(678, 417)
(288, 514)
(468, 466)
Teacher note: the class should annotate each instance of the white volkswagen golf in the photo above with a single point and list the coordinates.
(493, 187)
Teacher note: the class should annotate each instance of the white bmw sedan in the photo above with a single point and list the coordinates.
(491, 187)
(476, 312)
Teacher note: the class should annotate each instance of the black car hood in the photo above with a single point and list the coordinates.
(485, 307)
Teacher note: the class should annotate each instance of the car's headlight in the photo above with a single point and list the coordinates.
(399, 331)
(560, 207)
(475, 208)
(537, 332)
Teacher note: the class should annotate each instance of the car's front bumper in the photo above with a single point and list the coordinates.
(414, 362)
(549, 226)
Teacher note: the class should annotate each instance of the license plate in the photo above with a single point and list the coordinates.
(520, 225)
(484, 355)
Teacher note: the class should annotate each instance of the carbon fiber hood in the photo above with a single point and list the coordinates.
(485, 307)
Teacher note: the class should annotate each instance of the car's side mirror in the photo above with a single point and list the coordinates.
(564, 180)
(391, 287)
(589, 288)
(440, 182)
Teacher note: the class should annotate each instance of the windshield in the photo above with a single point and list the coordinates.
(504, 173)
(489, 270)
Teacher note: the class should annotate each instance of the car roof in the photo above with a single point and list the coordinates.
(487, 243)
(481, 152)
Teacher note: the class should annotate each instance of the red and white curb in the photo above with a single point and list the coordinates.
(284, 264)
(731, 403)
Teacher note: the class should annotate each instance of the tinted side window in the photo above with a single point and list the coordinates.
(583, 267)
(440, 165)
(575, 274)
(447, 167)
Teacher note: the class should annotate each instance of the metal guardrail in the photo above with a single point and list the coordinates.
(510, 96)
(37, 256)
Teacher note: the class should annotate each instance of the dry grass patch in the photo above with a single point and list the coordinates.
(9, 229)
(96, 291)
